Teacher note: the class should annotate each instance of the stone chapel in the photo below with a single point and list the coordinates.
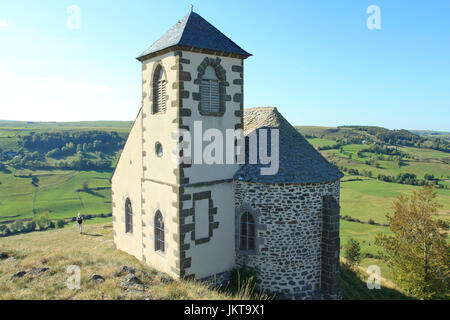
(198, 220)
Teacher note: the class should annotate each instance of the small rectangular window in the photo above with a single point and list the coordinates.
(201, 219)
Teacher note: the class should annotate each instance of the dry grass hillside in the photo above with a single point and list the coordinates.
(45, 256)
(94, 253)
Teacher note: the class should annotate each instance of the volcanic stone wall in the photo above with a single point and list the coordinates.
(288, 251)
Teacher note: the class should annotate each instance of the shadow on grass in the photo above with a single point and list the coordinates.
(92, 192)
(354, 288)
(91, 235)
(5, 170)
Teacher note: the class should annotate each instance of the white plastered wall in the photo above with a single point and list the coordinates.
(216, 255)
(159, 127)
(126, 183)
(160, 197)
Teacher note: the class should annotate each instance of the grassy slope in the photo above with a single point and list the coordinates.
(94, 253)
(372, 199)
(55, 194)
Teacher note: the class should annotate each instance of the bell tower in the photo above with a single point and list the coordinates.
(192, 79)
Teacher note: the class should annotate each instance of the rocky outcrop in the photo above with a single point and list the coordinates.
(18, 274)
(97, 278)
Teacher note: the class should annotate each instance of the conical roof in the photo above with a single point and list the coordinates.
(194, 31)
(299, 162)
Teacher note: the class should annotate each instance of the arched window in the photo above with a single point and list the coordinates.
(159, 91)
(247, 235)
(159, 232)
(210, 91)
(128, 216)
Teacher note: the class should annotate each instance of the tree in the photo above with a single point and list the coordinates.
(417, 251)
(60, 223)
(42, 221)
(30, 226)
(17, 226)
(352, 251)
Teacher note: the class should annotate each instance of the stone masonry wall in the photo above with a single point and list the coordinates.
(289, 235)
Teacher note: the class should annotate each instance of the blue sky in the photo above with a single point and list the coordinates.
(315, 60)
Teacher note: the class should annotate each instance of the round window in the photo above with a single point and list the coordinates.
(158, 149)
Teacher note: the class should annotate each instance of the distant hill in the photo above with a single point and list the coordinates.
(64, 125)
(376, 135)
(432, 134)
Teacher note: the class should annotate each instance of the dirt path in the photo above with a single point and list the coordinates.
(385, 282)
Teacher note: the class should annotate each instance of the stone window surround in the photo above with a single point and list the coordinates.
(205, 195)
(221, 75)
(159, 228)
(155, 73)
(259, 241)
(122, 217)
(151, 225)
(128, 216)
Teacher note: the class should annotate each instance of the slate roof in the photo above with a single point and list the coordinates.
(299, 162)
(194, 31)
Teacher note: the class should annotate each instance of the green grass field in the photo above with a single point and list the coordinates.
(372, 199)
(55, 194)
(56, 190)
(424, 164)
(319, 142)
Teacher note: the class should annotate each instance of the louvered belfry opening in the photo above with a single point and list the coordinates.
(159, 91)
(210, 91)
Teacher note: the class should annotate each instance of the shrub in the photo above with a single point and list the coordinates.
(60, 223)
(51, 225)
(371, 256)
(443, 224)
(29, 226)
(42, 221)
(4, 230)
(243, 280)
(352, 251)
(16, 227)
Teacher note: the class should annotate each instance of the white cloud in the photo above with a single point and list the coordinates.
(3, 23)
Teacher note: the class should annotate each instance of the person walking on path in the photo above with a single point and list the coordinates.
(80, 222)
